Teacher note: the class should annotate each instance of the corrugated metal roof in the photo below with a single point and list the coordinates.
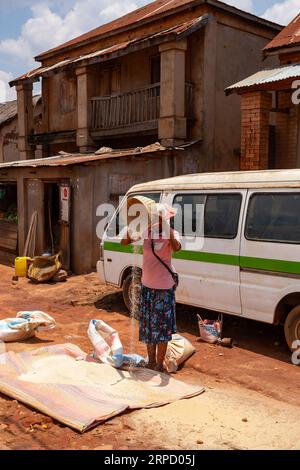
(77, 158)
(9, 110)
(152, 10)
(174, 32)
(267, 76)
(289, 36)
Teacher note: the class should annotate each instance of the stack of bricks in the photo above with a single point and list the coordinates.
(256, 108)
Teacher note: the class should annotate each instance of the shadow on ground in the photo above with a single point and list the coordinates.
(247, 334)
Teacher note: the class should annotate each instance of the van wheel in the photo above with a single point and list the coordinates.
(292, 327)
(131, 292)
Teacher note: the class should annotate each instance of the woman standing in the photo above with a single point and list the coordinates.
(157, 303)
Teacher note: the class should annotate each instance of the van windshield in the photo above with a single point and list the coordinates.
(118, 221)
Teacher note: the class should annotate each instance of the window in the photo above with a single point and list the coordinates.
(155, 69)
(274, 217)
(118, 222)
(189, 218)
(221, 214)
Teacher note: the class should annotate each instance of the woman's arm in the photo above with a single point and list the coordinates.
(175, 244)
(128, 239)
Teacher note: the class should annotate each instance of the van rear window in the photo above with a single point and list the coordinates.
(274, 217)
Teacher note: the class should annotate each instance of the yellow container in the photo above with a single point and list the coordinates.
(21, 266)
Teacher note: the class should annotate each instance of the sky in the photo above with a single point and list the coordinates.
(29, 27)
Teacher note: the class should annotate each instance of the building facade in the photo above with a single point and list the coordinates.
(9, 129)
(270, 123)
(158, 73)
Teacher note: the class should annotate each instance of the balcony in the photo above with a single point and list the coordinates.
(131, 111)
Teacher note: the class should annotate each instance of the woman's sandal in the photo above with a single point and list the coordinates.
(152, 365)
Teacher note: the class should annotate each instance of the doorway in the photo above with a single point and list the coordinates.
(8, 222)
(56, 225)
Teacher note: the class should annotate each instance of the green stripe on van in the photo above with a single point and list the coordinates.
(215, 258)
(280, 266)
(112, 246)
(262, 264)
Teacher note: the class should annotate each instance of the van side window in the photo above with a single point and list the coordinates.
(274, 217)
(190, 209)
(221, 217)
(221, 214)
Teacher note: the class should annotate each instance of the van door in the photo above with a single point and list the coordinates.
(208, 263)
(270, 251)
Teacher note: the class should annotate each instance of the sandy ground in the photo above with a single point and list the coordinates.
(252, 391)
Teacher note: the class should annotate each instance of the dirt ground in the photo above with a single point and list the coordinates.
(252, 391)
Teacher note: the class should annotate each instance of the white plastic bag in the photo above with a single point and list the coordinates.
(108, 347)
(210, 330)
(178, 351)
(25, 325)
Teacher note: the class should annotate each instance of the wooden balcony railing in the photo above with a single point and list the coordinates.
(138, 109)
(125, 109)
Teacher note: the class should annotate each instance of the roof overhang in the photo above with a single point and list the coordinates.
(174, 7)
(264, 79)
(174, 33)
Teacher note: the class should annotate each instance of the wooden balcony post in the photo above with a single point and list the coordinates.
(85, 91)
(25, 120)
(172, 129)
(256, 108)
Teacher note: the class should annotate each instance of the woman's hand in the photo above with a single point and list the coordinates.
(129, 238)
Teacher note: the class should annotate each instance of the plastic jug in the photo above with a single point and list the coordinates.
(21, 266)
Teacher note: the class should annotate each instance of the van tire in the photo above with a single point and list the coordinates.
(292, 327)
(126, 291)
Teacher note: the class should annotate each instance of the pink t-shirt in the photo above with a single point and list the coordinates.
(155, 274)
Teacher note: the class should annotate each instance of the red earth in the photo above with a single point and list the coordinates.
(259, 361)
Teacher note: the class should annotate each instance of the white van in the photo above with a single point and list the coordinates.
(249, 264)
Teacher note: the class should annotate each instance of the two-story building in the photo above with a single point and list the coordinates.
(155, 75)
(158, 73)
(270, 106)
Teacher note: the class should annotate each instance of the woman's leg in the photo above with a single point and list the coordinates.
(151, 348)
(161, 352)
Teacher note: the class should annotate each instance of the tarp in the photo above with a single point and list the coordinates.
(63, 383)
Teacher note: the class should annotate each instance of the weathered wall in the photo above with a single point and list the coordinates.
(9, 142)
(287, 132)
(9, 137)
(62, 93)
(91, 185)
(116, 178)
(238, 56)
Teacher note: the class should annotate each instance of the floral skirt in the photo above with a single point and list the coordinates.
(158, 319)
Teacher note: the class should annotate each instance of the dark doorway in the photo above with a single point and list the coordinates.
(57, 202)
(155, 69)
(52, 216)
(8, 222)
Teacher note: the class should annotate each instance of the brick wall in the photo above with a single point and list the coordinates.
(255, 109)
